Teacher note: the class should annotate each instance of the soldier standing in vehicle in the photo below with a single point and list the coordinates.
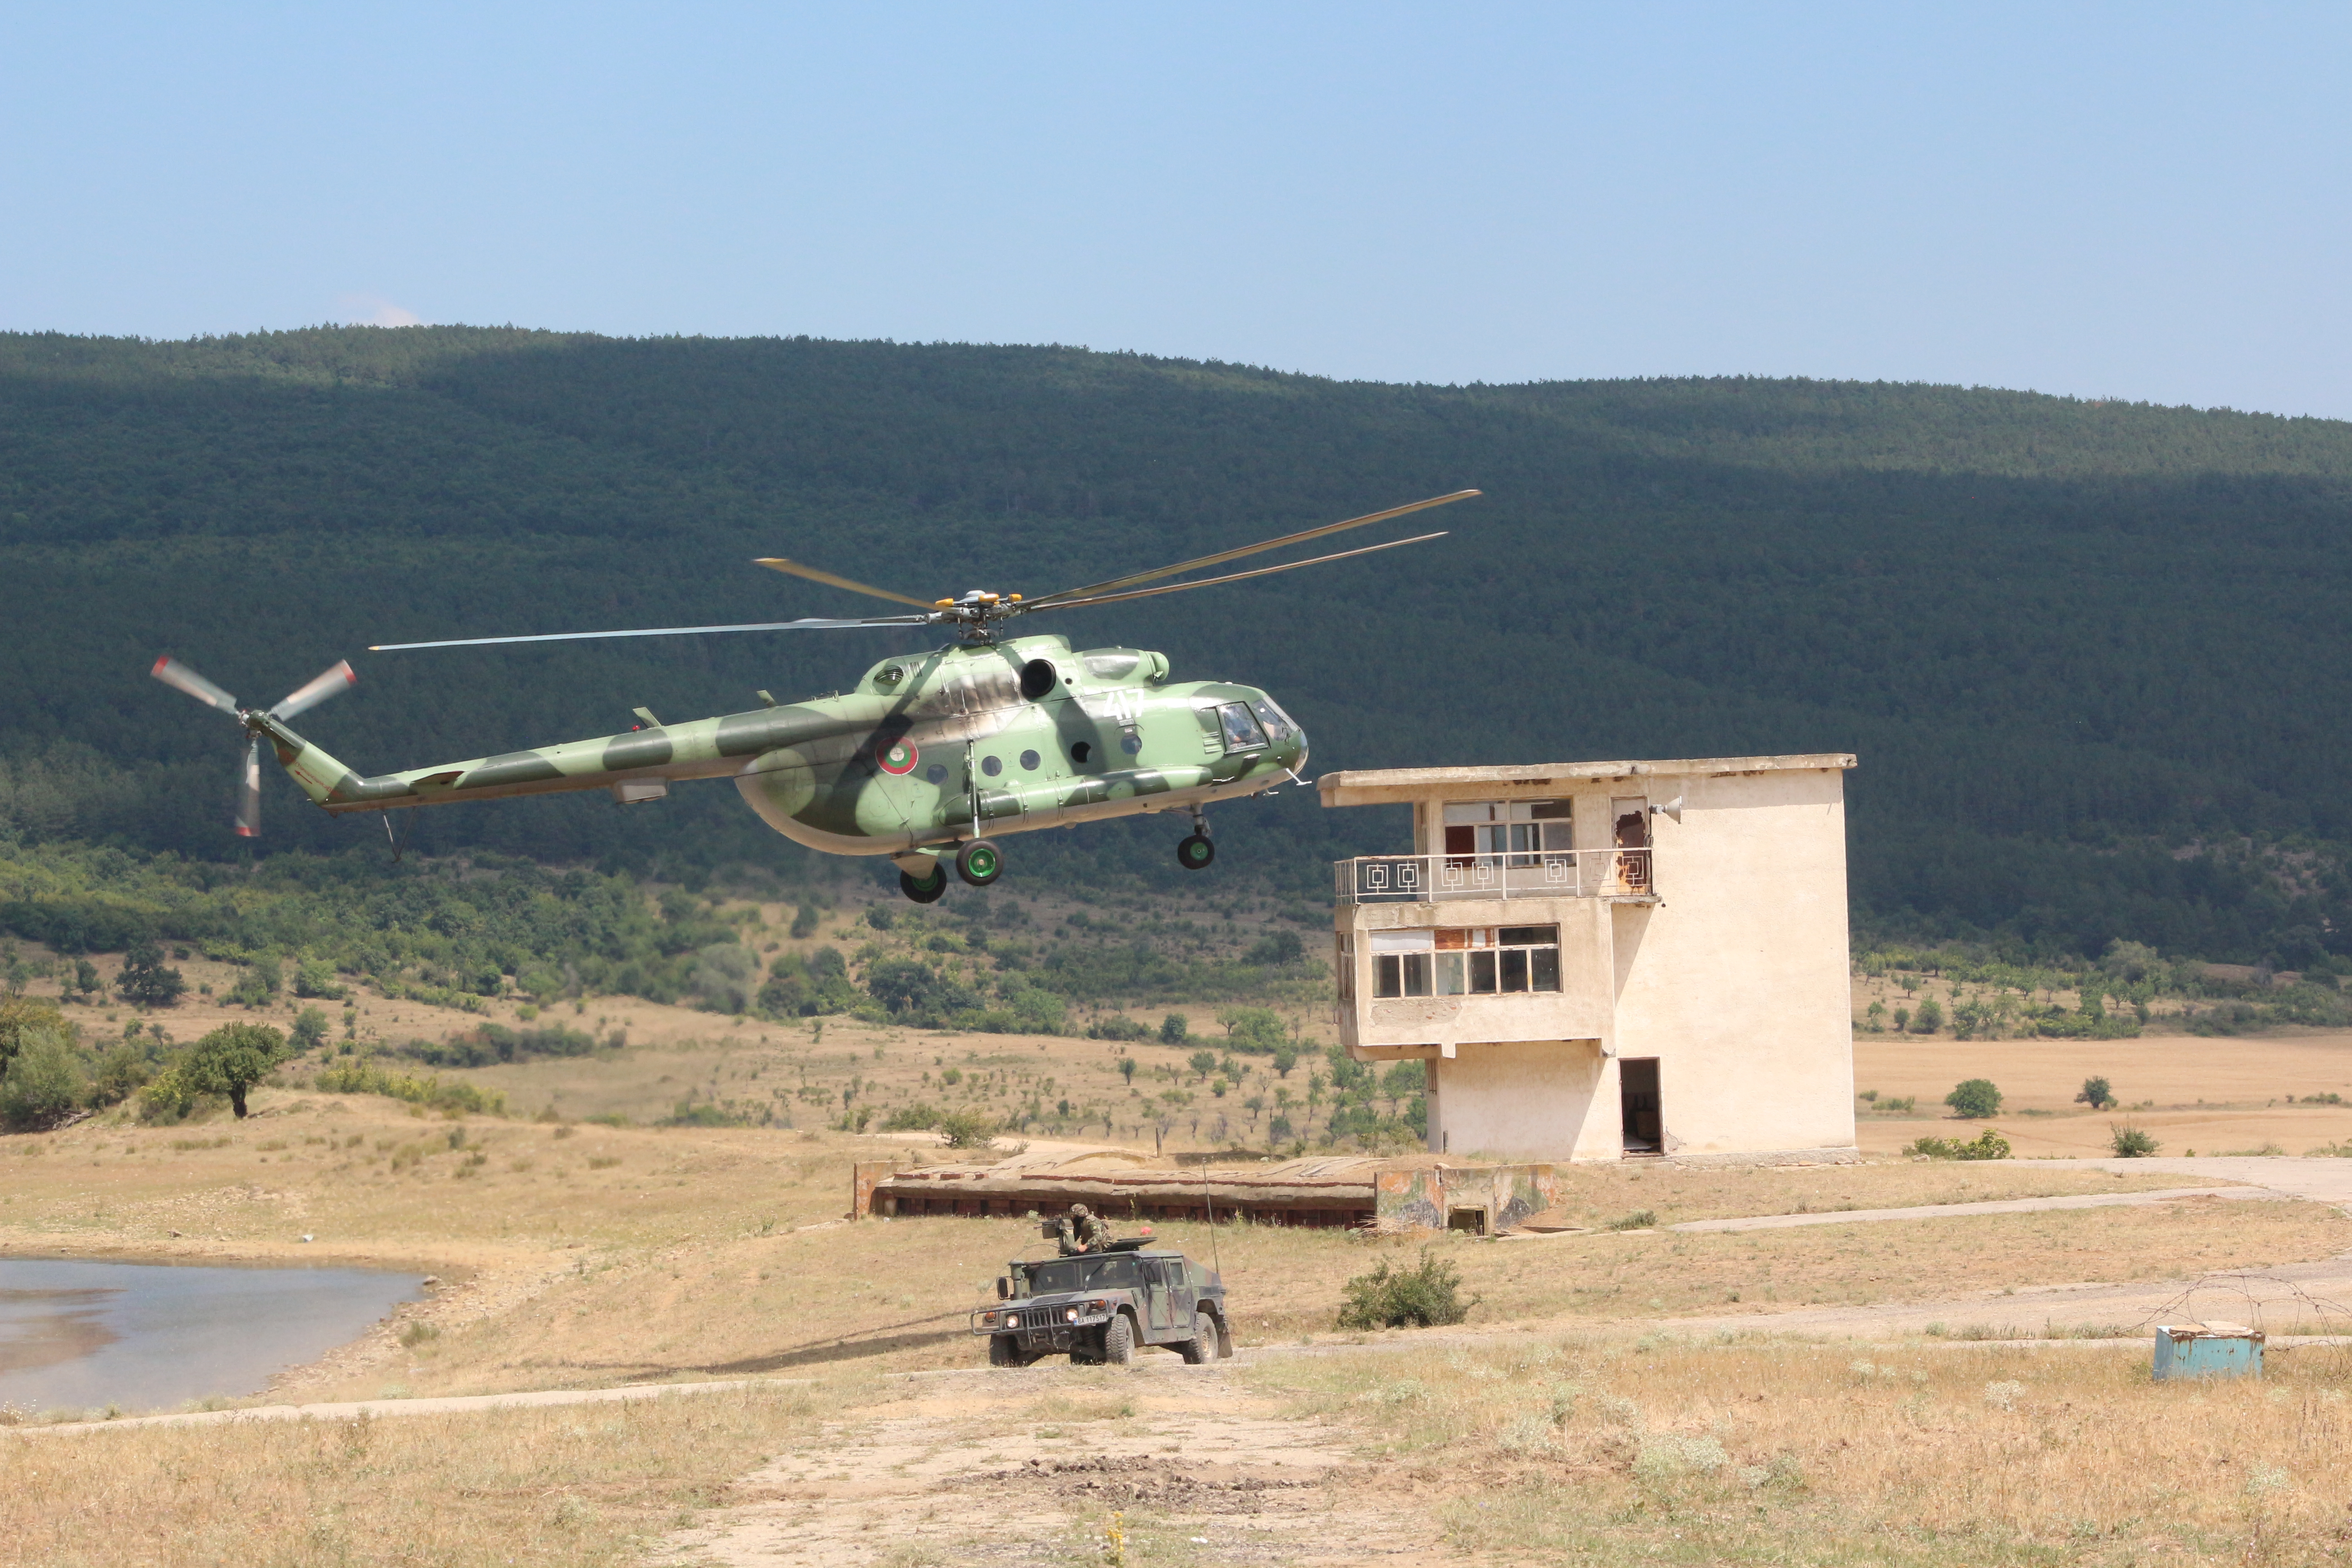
(1079, 1231)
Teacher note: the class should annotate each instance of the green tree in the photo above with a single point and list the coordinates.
(1127, 1070)
(1202, 1064)
(1405, 1080)
(2097, 1093)
(231, 1060)
(1974, 1099)
(1175, 1029)
(145, 981)
(1929, 1019)
(1285, 1057)
(804, 921)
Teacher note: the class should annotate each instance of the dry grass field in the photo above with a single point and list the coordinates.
(1565, 1422)
(583, 1255)
(2210, 1096)
(1760, 1451)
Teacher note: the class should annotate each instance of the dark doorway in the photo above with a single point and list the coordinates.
(1637, 1091)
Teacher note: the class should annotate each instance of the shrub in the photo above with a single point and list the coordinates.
(1420, 1297)
(1929, 1019)
(804, 921)
(166, 1097)
(309, 1030)
(2130, 1142)
(966, 1129)
(1987, 1145)
(1117, 1028)
(43, 1082)
(1639, 1219)
(364, 1077)
(1974, 1099)
(1667, 1456)
(315, 978)
(916, 1117)
(2097, 1093)
(1175, 1029)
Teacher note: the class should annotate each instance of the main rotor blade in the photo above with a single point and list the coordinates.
(660, 632)
(248, 793)
(1219, 559)
(1232, 577)
(793, 568)
(171, 672)
(332, 682)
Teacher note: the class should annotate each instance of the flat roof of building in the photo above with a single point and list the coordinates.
(1378, 786)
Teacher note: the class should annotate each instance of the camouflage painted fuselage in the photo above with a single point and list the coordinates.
(1047, 736)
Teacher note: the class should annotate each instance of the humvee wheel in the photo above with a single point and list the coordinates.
(1118, 1341)
(927, 891)
(1002, 1352)
(1203, 1342)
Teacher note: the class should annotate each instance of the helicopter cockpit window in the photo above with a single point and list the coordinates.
(1242, 732)
(1277, 723)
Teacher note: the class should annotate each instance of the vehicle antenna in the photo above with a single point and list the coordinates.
(1209, 1198)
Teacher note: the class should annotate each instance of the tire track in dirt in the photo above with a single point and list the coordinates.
(998, 1467)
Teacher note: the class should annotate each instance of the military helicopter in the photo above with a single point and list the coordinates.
(932, 755)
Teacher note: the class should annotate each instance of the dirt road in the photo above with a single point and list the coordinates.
(988, 1468)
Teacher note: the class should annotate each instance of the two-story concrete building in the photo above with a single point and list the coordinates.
(1597, 959)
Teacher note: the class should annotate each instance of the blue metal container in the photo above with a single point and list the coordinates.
(2208, 1350)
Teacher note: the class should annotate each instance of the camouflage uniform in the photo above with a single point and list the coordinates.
(1079, 1231)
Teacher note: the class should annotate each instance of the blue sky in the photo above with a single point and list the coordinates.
(2136, 202)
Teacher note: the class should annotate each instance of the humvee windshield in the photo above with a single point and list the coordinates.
(1115, 1272)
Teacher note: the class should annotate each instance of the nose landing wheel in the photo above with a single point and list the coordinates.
(924, 890)
(980, 862)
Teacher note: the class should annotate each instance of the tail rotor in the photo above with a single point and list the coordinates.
(330, 682)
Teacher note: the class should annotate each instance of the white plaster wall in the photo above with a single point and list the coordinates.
(1737, 980)
(1526, 1099)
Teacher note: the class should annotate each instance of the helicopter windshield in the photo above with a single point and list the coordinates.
(1277, 723)
(1242, 732)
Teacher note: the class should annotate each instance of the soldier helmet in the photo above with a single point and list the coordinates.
(1079, 1209)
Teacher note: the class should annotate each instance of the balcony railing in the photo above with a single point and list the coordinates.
(1546, 874)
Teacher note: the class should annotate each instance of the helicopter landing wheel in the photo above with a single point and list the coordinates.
(925, 890)
(1193, 852)
(980, 862)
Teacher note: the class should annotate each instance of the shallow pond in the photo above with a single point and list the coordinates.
(143, 1336)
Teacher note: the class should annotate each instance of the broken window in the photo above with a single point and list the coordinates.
(1241, 729)
(1519, 830)
(1487, 960)
(1629, 867)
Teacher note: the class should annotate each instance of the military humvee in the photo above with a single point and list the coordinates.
(1098, 1307)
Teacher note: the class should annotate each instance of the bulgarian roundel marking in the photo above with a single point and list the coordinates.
(900, 757)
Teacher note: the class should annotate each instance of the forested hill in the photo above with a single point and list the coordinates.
(2094, 657)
